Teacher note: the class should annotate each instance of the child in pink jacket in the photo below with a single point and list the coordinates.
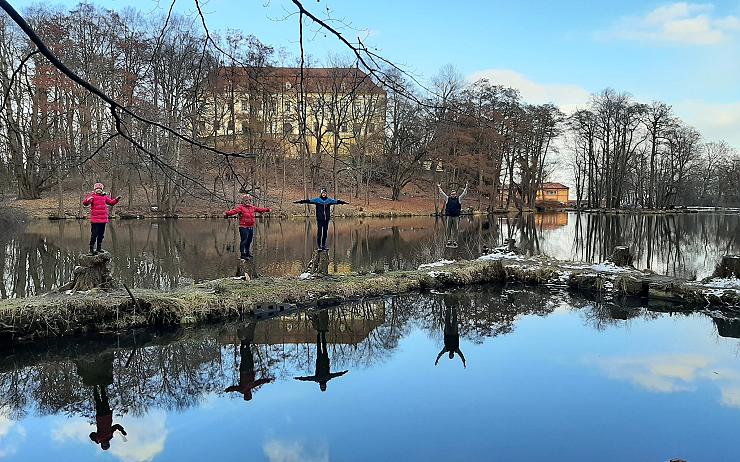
(98, 202)
(246, 211)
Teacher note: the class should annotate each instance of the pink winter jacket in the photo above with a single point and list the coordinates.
(99, 207)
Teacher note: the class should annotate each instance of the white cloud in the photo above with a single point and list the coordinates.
(673, 373)
(681, 22)
(664, 374)
(10, 435)
(567, 97)
(145, 440)
(715, 121)
(293, 451)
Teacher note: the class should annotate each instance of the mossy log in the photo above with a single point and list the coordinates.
(95, 311)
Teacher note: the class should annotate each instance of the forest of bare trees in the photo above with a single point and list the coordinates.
(57, 136)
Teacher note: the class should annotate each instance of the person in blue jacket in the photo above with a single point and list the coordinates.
(323, 214)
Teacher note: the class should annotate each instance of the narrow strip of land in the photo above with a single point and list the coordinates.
(95, 311)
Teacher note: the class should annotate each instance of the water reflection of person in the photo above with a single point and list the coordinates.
(248, 381)
(104, 419)
(451, 333)
(97, 372)
(323, 374)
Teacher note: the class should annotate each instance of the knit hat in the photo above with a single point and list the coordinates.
(246, 197)
(98, 186)
(322, 191)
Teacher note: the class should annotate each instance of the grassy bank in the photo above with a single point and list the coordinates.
(95, 311)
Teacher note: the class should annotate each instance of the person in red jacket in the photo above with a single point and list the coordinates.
(104, 420)
(98, 202)
(248, 381)
(246, 211)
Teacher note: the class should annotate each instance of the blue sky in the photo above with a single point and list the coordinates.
(686, 54)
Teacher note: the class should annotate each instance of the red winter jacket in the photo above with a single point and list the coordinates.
(99, 207)
(246, 214)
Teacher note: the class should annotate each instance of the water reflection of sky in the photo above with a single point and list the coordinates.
(555, 388)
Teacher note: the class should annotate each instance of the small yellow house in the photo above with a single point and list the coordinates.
(552, 192)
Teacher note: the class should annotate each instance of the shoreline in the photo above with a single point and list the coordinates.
(62, 314)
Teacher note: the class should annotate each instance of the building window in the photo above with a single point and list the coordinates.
(230, 126)
(343, 127)
(244, 105)
(288, 106)
(287, 129)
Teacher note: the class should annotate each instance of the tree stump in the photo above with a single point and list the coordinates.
(621, 256)
(242, 269)
(728, 267)
(512, 248)
(92, 272)
(319, 263)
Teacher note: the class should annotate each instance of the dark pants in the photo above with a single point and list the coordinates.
(322, 232)
(453, 227)
(246, 235)
(97, 231)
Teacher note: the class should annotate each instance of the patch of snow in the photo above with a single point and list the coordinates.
(501, 256)
(434, 274)
(305, 276)
(608, 267)
(436, 264)
(723, 283)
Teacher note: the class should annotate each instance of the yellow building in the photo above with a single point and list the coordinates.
(548, 193)
(262, 108)
(552, 192)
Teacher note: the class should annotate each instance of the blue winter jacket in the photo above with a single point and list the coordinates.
(323, 206)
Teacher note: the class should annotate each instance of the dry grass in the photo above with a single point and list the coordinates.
(61, 314)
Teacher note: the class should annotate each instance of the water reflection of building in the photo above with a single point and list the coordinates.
(348, 327)
(551, 220)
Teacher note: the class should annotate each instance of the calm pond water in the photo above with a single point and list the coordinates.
(546, 377)
(166, 253)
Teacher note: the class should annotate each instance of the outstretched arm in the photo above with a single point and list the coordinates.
(119, 428)
(439, 356)
(439, 186)
(111, 201)
(338, 201)
(462, 356)
(232, 212)
(464, 193)
(87, 200)
(302, 201)
(262, 209)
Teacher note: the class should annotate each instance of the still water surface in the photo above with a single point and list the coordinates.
(546, 377)
(166, 253)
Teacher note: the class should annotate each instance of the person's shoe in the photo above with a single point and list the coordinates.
(248, 256)
(243, 257)
(323, 247)
(92, 251)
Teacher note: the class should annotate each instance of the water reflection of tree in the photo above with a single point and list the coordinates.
(669, 244)
(167, 253)
(175, 370)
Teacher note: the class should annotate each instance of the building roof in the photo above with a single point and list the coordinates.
(549, 185)
(315, 79)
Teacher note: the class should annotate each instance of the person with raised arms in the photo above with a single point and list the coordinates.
(323, 205)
